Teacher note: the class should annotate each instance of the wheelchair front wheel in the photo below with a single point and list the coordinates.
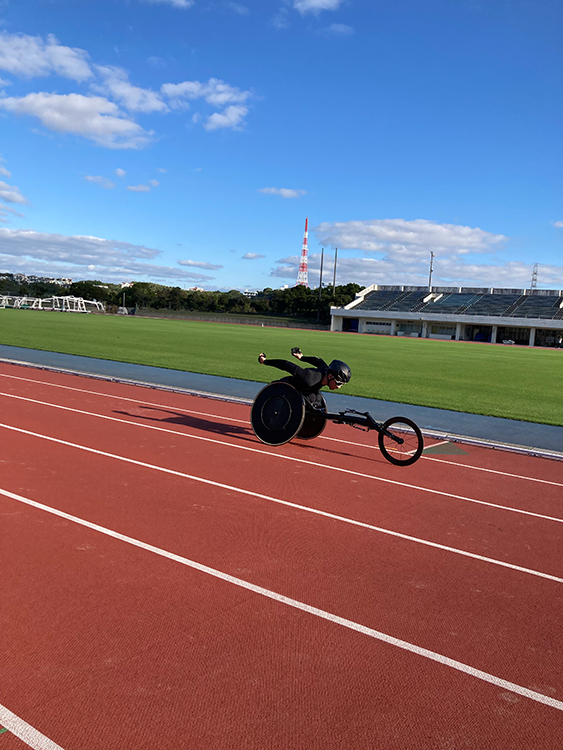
(400, 440)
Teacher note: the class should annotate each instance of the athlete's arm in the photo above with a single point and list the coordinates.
(315, 361)
(282, 364)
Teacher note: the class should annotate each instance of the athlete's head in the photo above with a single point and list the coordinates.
(338, 373)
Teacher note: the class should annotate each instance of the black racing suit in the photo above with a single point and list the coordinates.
(306, 380)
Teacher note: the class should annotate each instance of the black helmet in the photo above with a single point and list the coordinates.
(340, 371)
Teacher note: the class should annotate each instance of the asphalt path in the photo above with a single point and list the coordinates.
(453, 424)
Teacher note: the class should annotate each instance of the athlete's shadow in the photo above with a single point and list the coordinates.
(317, 447)
(195, 422)
(313, 447)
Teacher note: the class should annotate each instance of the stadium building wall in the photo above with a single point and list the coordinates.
(418, 319)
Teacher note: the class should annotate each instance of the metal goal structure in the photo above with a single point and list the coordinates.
(60, 304)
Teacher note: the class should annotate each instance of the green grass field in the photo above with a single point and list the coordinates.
(513, 382)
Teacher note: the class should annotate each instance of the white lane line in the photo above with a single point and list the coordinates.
(166, 407)
(336, 619)
(295, 506)
(287, 458)
(491, 471)
(441, 442)
(25, 732)
(163, 407)
(454, 463)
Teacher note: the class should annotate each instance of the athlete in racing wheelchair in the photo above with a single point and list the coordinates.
(293, 407)
(310, 380)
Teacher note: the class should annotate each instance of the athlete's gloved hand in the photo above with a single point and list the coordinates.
(261, 358)
(296, 351)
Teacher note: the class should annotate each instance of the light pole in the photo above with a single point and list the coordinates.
(430, 274)
(320, 285)
(334, 278)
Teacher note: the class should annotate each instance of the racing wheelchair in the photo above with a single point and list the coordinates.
(280, 413)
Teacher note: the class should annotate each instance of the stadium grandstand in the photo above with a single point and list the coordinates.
(61, 304)
(528, 317)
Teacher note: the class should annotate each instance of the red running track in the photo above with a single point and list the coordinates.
(170, 582)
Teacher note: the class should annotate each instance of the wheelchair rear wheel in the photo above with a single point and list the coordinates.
(277, 413)
(314, 422)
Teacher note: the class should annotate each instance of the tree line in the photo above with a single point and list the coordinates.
(296, 301)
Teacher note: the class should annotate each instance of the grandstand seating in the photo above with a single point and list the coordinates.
(379, 300)
(407, 301)
(450, 303)
(474, 302)
(492, 304)
(469, 303)
(537, 307)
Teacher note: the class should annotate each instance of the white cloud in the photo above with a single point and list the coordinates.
(143, 188)
(558, 224)
(252, 256)
(4, 171)
(161, 170)
(120, 172)
(175, 3)
(29, 56)
(338, 29)
(11, 193)
(101, 181)
(315, 6)
(241, 10)
(447, 272)
(79, 249)
(91, 117)
(5, 210)
(399, 253)
(100, 116)
(199, 264)
(219, 93)
(83, 257)
(214, 92)
(283, 192)
(416, 237)
(281, 20)
(116, 84)
(230, 118)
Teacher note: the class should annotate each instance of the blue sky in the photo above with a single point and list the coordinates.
(184, 142)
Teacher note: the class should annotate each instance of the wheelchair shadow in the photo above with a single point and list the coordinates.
(245, 433)
(316, 448)
(187, 420)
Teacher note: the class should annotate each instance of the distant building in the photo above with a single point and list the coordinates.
(23, 278)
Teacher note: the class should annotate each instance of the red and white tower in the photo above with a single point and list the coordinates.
(303, 275)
